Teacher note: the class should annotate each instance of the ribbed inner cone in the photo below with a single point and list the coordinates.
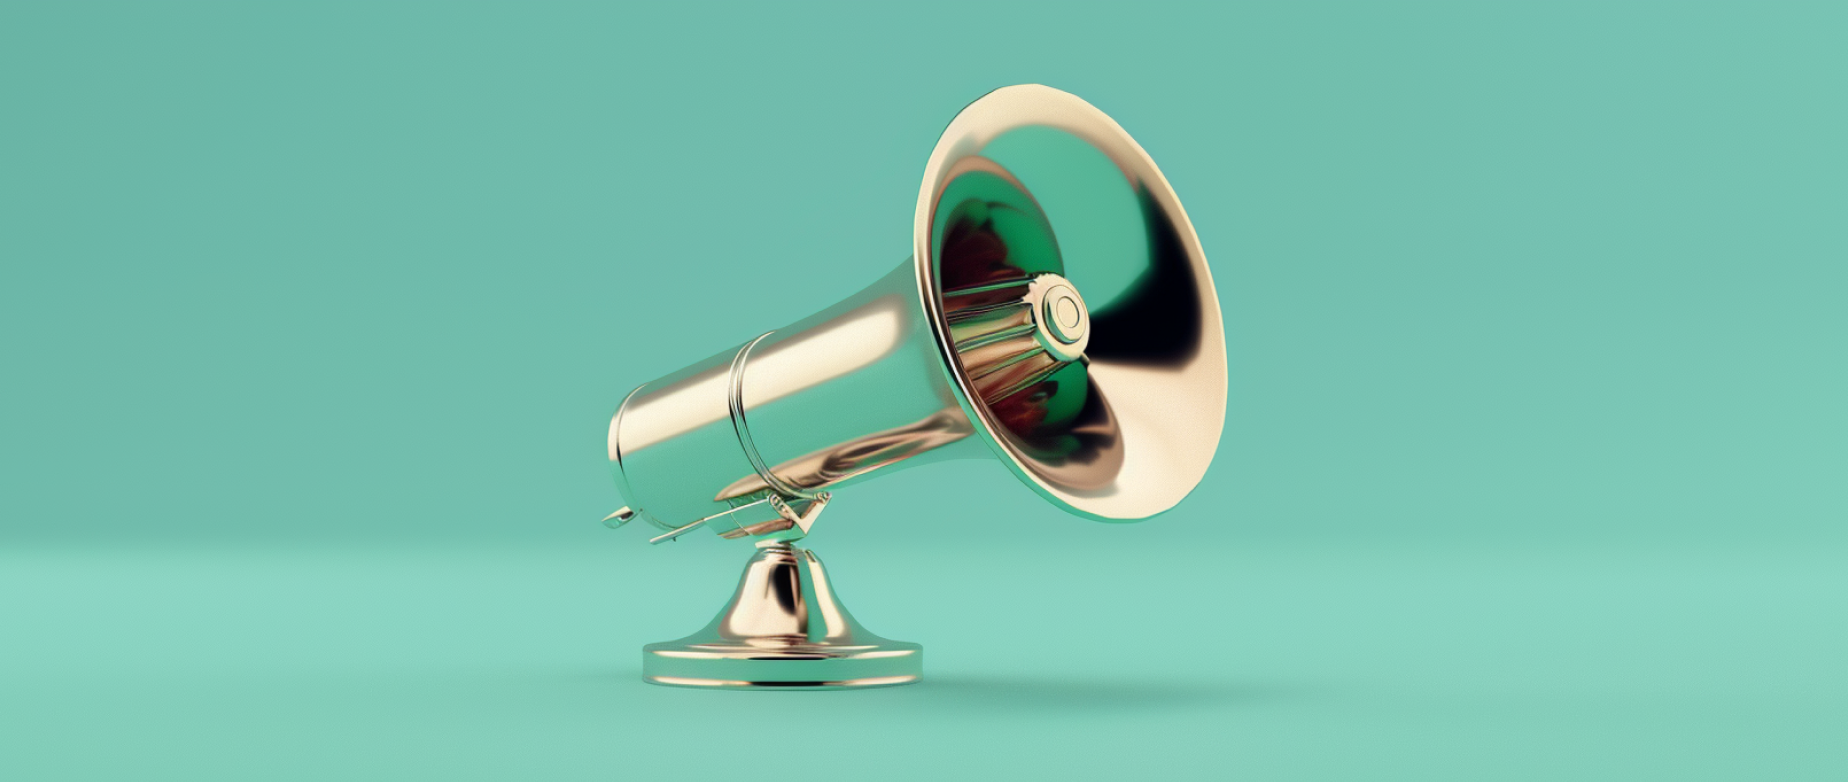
(1019, 327)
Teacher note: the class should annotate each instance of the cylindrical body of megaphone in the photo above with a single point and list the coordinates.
(798, 411)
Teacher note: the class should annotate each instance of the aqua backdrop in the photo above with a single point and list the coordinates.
(311, 316)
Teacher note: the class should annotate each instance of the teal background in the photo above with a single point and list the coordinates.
(313, 317)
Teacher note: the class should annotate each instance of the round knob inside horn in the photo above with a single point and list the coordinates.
(1059, 316)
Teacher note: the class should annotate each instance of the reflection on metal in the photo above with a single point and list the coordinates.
(763, 515)
(862, 455)
(876, 681)
(800, 410)
(1015, 335)
(619, 518)
(794, 517)
(736, 402)
(683, 529)
(982, 344)
(783, 628)
(1113, 451)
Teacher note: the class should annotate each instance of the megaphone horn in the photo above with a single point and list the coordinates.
(1089, 359)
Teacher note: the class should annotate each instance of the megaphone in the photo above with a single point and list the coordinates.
(1090, 360)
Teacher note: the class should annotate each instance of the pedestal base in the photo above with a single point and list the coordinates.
(784, 629)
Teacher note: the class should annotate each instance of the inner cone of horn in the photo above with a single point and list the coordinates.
(1020, 328)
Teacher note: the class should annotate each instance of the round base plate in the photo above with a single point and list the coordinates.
(798, 667)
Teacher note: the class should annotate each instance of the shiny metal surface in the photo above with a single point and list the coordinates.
(1115, 416)
(620, 517)
(803, 409)
(783, 628)
(1128, 431)
(1057, 313)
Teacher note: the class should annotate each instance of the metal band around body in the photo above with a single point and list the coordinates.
(736, 400)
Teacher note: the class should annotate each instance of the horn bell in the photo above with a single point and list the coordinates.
(1124, 427)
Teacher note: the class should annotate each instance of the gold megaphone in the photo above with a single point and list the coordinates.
(1090, 361)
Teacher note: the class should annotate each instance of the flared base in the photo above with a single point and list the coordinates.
(784, 629)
